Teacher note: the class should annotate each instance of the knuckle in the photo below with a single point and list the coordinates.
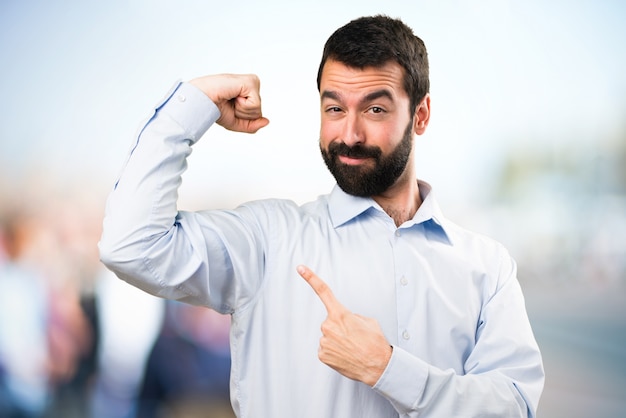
(322, 288)
(325, 327)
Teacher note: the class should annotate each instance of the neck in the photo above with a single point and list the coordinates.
(401, 201)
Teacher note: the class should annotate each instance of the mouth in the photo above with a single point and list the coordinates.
(354, 156)
(352, 160)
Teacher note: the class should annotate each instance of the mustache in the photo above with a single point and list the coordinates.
(356, 151)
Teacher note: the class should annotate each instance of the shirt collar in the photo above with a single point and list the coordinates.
(343, 207)
(430, 214)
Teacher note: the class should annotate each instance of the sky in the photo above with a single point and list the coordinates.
(78, 77)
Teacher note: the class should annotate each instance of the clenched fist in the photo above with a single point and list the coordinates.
(238, 98)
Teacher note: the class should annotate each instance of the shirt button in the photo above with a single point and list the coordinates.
(406, 335)
(397, 233)
(404, 281)
(181, 98)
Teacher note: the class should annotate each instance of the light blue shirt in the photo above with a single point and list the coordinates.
(447, 299)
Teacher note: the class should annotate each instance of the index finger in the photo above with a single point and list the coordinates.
(321, 288)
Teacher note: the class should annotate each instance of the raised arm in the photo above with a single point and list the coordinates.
(146, 240)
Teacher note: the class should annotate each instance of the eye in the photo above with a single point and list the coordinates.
(376, 110)
(333, 109)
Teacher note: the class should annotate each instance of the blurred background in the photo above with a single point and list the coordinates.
(527, 143)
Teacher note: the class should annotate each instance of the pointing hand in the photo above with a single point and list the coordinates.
(352, 344)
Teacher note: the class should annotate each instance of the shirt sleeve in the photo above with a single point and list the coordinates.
(146, 241)
(503, 374)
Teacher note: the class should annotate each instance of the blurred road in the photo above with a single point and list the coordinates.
(582, 335)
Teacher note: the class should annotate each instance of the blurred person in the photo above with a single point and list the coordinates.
(71, 334)
(196, 384)
(129, 321)
(419, 317)
(44, 333)
(67, 253)
(71, 343)
(24, 314)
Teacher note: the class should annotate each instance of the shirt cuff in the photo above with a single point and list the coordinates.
(403, 381)
(190, 108)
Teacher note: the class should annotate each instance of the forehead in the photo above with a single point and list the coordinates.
(339, 78)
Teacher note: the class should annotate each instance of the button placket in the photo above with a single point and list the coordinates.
(403, 296)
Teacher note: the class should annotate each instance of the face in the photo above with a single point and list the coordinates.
(366, 135)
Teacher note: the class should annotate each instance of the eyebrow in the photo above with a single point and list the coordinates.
(333, 95)
(375, 95)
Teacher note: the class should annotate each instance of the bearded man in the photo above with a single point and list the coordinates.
(419, 317)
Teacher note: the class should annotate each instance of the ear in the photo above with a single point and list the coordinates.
(422, 115)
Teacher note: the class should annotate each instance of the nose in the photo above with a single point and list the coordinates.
(352, 130)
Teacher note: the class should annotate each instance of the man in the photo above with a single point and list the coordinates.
(418, 316)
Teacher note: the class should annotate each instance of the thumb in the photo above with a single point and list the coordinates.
(256, 124)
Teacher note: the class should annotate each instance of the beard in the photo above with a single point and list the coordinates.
(361, 181)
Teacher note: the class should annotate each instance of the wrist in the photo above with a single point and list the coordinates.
(379, 368)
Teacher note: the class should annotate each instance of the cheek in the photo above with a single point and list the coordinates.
(383, 136)
(328, 133)
(393, 134)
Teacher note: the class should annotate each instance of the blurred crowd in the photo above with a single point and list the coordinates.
(75, 341)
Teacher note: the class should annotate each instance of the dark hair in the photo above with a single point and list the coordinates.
(373, 42)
